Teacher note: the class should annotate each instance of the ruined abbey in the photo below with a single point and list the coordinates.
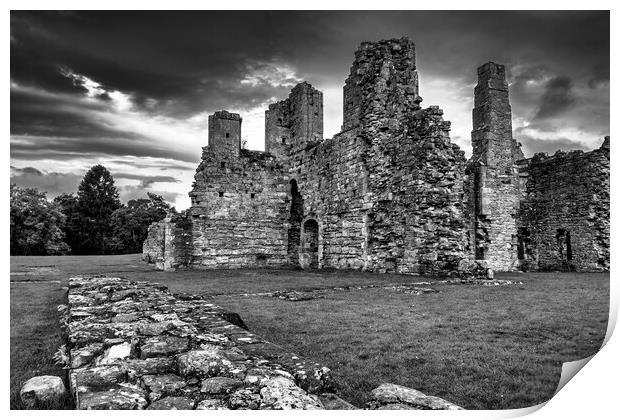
(390, 192)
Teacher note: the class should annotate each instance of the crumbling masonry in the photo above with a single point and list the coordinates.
(390, 192)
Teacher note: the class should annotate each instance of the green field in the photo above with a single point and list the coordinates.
(480, 347)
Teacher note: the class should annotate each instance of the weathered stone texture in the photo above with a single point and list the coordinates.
(225, 133)
(295, 123)
(169, 243)
(564, 218)
(389, 193)
(396, 397)
(373, 70)
(493, 182)
(198, 361)
(540, 213)
(43, 392)
(383, 195)
(414, 218)
(239, 211)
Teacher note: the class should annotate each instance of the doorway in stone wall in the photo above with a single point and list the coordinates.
(565, 249)
(309, 245)
(295, 219)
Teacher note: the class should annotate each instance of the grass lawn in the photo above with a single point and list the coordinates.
(479, 347)
(35, 335)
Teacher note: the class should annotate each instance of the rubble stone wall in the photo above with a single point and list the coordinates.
(225, 133)
(384, 195)
(390, 192)
(295, 123)
(169, 243)
(332, 181)
(415, 219)
(239, 211)
(133, 345)
(564, 218)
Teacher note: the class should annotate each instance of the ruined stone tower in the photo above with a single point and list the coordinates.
(225, 133)
(494, 181)
(390, 192)
(294, 123)
(383, 82)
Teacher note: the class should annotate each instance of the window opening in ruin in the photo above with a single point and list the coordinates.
(223, 165)
(523, 237)
(221, 193)
(309, 245)
(565, 249)
(283, 140)
(227, 135)
(295, 218)
(252, 196)
(481, 239)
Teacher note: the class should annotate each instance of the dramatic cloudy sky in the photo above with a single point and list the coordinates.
(132, 91)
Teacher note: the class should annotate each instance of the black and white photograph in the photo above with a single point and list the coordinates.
(307, 209)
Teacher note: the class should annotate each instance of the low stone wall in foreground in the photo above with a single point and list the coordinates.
(133, 345)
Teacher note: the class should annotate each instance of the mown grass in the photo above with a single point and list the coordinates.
(35, 335)
(480, 347)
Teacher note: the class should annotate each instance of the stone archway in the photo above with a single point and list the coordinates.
(309, 245)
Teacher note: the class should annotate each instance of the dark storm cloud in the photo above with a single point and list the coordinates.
(36, 148)
(35, 114)
(185, 61)
(600, 75)
(195, 60)
(520, 76)
(178, 65)
(558, 97)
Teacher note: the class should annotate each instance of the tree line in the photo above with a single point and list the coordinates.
(93, 221)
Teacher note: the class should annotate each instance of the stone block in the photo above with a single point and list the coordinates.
(43, 392)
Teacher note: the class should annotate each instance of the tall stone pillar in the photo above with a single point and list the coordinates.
(495, 182)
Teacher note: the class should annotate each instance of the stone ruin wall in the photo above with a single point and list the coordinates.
(295, 123)
(134, 345)
(239, 211)
(169, 242)
(564, 217)
(383, 195)
(331, 179)
(335, 202)
(414, 217)
(385, 191)
(389, 193)
(545, 213)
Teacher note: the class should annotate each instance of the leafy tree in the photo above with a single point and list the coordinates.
(130, 223)
(35, 224)
(97, 200)
(74, 226)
